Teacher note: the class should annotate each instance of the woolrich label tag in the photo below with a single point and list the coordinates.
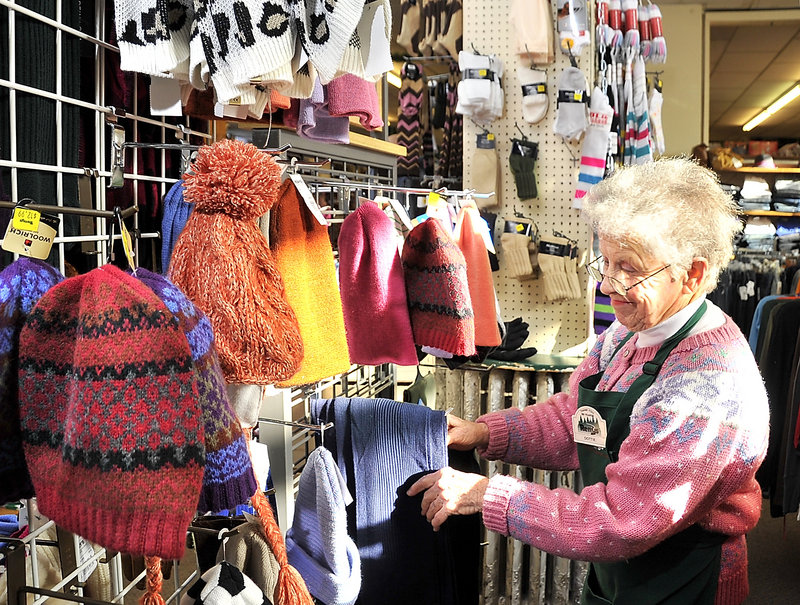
(30, 233)
(589, 427)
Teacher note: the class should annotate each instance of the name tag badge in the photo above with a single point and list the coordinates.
(589, 427)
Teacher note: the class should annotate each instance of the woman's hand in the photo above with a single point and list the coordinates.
(449, 492)
(465, 435)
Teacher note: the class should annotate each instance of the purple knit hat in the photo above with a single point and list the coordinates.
(315, 121)
(373, 290)
(228, 478)
(22, 284)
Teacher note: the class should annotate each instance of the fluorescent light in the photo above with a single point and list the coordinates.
(774, 108)
(393, 79)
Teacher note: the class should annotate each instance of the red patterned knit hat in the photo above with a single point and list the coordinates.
(228, 478)
(223, 264)
(110, 417)
(438, 294)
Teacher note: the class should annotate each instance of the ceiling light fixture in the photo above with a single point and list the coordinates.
(393, 79)
(779, 104)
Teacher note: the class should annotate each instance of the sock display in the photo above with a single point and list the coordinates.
(480, 95)
(654, 104)
(658, 52)
(573, 31)
(637, 129)
(595, 145)
(451, 34)
(630, 27)
(409, 132)
(571, 119)
(523, 162)
(532, 24)
(534, 94)
(410, 19)
(451, 164)
(514, 243)
(485, 174)
(552, 251)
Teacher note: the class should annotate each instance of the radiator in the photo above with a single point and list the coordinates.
(513, 572)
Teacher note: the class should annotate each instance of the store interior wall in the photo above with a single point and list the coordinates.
(682, 114)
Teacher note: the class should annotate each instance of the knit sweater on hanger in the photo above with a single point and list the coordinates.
(698, 434)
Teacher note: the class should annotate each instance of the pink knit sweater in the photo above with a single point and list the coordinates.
(698, 434)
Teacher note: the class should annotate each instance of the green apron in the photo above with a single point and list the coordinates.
(682, 570)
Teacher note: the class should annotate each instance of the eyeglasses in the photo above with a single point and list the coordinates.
(618, 286)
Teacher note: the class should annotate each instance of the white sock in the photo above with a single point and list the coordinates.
(656, 129)
(474, 90)
(534, 94)
(571, 119)
(595, 145)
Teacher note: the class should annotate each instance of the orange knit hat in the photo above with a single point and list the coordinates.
(479, 277)
(223, 263)
(304, 256)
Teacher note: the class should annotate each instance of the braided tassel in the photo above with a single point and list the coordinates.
(154, 579)
(291, 589)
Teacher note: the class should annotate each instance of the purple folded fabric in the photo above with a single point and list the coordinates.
(315, 121)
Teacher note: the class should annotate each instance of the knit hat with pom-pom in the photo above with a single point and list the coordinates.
(228, 479)
(223, 264)
(22, 284)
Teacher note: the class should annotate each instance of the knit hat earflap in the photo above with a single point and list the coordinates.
(438, 293)
(223, 264)
(22, 284)
(110, 415)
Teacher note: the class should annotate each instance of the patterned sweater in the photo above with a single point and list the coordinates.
(698, 434)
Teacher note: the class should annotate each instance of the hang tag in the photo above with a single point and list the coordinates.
(483, 228)
(84, 551)
(400, 212)
(30, 233)
(524, 228)
(165, 96)
(308, 198)
(751, 288)
(588, 427)
(127, 245)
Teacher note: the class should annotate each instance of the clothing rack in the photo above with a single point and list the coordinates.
(443, 191)
(130, 211)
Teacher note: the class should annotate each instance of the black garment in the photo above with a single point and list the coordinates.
(780, 329)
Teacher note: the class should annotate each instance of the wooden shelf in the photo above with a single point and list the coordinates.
(754, 170)
(768, 213)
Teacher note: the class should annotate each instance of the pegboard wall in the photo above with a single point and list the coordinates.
(555, 327)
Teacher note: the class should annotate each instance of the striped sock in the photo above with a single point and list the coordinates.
(595, 146)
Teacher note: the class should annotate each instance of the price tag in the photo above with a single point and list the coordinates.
(308, 198)
(400, 211)
(30, 233)
(434, 200)
(26, 219)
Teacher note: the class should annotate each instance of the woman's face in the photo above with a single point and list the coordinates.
(650, 302)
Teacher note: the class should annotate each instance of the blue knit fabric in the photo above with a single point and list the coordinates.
(381, 447)
(22, 284)
(317, 544)
(176, 213)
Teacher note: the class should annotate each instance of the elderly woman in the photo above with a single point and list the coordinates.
(666, 418)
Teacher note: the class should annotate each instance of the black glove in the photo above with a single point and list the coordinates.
(516, 355)
(516, 335)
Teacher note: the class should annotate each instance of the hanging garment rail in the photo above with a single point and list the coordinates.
(299, 424)
(130, 211)
(443, 191)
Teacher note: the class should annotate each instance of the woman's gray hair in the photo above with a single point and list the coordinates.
(672, 209)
